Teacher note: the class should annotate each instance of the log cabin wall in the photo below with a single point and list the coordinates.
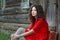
(11, 11)
(13, 14)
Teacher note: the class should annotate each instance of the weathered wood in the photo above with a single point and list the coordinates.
(35, 1)
(12, 3)
(12, 26)
(56, 16)
(18, 18)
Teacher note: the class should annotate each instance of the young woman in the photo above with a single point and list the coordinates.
(38, 29)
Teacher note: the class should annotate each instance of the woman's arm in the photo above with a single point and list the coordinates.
(14, 36)
(27, 33)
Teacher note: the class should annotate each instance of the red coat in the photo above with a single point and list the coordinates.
(41, 30)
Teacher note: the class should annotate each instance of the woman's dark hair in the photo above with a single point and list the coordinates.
(40, 13)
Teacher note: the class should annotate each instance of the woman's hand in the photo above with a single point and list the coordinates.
(14, 36)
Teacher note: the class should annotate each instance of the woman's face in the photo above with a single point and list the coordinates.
(34, 11)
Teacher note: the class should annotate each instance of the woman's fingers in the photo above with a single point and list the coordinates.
(12, 36)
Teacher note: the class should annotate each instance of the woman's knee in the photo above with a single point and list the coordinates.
(21, 29)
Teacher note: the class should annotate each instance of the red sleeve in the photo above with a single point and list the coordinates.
(37, 25)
